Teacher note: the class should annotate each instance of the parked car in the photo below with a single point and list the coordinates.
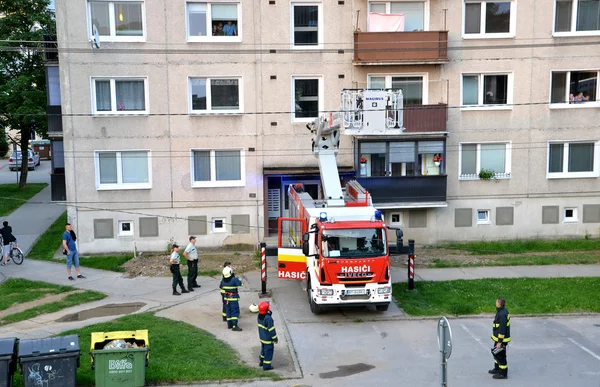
(33, 160)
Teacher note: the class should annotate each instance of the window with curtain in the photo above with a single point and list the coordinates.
(574, 87)
(587, 16)
(486, 89)
(306, 25)
(117, 19)
(217, 168)
(412, 87)
(120, 95)
(488, 17)
(399, 158)
(53, 86)
(306, 97)
(413, 11)
(573, 159)
(212, 21)
(493, 157)
(215, 95)
(123, 169)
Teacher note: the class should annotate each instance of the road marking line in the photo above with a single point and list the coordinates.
(477, 339)
(584, 348)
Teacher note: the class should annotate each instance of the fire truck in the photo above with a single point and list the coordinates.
(339, 244)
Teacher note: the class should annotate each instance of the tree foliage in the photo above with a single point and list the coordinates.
(22, 72)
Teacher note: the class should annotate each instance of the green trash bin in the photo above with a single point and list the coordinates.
(124, 367)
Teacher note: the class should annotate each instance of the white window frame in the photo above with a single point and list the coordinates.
(573, 31)
(400, 217)
(321, 97)
(321, 25)
(573, 175)
(572, 219)
(480, 84)
(210, 38)
(567, 105)
(209, 110)
(213, 170)
(507, 160)
(487, 219)
(122, 233)
(388, 10)
(111, 20)
(221, 229)
(388, 81)
(120, 185)
(483, 34)
(113, 97)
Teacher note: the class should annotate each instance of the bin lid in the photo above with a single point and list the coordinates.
(48, 346)
(7, 346)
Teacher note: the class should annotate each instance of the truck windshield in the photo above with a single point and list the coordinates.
(358, 242)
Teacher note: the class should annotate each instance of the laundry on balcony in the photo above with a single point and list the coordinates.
(383, 22)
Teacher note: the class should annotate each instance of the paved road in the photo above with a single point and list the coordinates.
(40, 175)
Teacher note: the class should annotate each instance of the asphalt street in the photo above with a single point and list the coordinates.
(40, 175)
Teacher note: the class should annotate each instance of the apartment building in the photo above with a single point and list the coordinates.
(189, 117)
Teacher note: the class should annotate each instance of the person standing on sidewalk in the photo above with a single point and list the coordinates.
(177, 278)
(267, 336)
(501, 338)
(224, 312)
(68, 243)
(191, 255)
(230, 284)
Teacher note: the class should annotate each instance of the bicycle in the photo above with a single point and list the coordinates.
(15, 253)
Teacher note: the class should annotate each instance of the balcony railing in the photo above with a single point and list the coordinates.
(414, 47)
(55, 126)
(405, 189)
(425, 118)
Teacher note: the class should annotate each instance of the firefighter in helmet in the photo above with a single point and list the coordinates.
(267, 335)
(501, 337)
(224, 314)
(230, 283)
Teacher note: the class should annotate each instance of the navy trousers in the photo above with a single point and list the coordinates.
(232, 310)
(266, 355)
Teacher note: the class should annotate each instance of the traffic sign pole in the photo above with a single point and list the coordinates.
(445, 344)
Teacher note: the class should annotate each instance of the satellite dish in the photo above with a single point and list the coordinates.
(96, 37)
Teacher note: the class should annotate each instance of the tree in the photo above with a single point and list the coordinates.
(3, 143)
(22, 71)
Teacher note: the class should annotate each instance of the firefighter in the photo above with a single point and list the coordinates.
(267, 335)
(227, 264)
(501, 337)
(230, 283)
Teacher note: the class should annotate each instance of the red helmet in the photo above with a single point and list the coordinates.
(263, 307)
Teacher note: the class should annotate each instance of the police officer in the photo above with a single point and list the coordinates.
(501, 337)
(226, 264)
(230, 283)
(267, 336)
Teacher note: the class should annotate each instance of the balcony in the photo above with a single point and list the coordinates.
(425, 118)
(405, 190)
(401, 48)
(58, 187)
(55, 126)
(50, 49)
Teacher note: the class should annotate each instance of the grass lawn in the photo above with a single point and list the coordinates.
(13, 197)
(523, 296)
(523, 260)
(50, 241)
(526, 246)
(179, 352)
(17, 291)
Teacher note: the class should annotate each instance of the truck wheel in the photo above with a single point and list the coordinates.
(382, 308)
(314, 308)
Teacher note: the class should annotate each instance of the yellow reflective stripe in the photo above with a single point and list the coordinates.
(266, 342)
(274, 337)
(231, 299)
(267, 362)
(262, 326)
(222, 291)
(494, 338)
(508, 323)
(232, 318)
(270, 329)
(506, 340)
(496, 325)
(503, 367)
(224, 314)
(229, 287)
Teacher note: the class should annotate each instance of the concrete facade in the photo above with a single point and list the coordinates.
(263, 131)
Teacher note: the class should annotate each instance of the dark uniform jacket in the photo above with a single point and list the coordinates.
(266, 329)
(230, 286)
(501, 326)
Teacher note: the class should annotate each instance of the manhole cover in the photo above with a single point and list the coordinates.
(102, 311)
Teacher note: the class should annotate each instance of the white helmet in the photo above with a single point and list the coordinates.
(253, 308)
(227, 272)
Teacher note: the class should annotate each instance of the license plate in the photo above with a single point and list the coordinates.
(356, 291)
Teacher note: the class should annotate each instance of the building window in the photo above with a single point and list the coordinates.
(401, 158)
(412, 87)
(474, 158)
(413, 11)
(570, 214)
(123, 170)
(218, 225)
(218, 168)
(573, 159)
(215, 95)
(307, 25)
(576, 88)
(489, 19)
(577, 17)
(219, 22)
(483, 216)
(125, 228)
(487, 90)
(120, 96)
(307, 98)
(396, 218)
(117, 21)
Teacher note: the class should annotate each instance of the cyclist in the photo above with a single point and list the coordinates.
(7, 238)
